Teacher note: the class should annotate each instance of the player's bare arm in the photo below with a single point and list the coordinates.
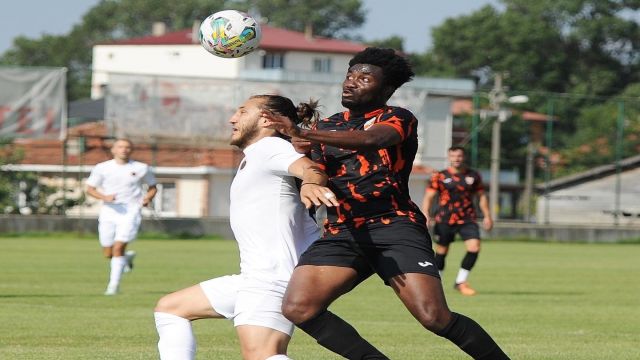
(313, 190)
(91, 190)
(487, 221)
(427, 203)
(151, 193)
(376, 137)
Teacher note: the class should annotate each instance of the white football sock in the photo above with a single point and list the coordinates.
(462, 276)
(176, 337)
(117, 265)
(278, 357)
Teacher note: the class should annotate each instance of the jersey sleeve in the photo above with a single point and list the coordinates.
(279, 154)
(96, 177)
(479, 187)
(434, 183)
(149, 178)
(402, 121)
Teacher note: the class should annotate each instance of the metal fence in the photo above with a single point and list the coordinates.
(575, 157)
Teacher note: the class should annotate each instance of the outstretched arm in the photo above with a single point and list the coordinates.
(376, 137)
(313, 190)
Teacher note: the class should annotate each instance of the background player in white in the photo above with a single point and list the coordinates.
(272, 227)
(120, 182)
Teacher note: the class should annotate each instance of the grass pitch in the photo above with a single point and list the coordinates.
(538, 300)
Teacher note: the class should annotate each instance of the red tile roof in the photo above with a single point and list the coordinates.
(272, 39)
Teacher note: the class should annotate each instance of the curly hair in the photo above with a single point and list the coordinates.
(396, 69)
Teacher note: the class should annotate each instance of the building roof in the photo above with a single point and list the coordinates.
(272, 39)
(598, 172)
(465, 107)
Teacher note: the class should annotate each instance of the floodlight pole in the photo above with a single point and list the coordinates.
(496, 97)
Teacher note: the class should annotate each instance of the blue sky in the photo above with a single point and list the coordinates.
(410, 19)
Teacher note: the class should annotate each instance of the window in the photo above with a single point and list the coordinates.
(164, 202)
(322, 65)
(273, 61)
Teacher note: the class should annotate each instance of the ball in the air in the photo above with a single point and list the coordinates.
(230, 34)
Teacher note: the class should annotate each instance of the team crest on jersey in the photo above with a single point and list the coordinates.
(469, 180)
(447, 180)
(369, 123)
(133, 173)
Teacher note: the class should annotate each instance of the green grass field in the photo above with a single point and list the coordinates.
(538, 300)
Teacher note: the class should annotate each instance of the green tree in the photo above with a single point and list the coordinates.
(334, 19)
(392, 42)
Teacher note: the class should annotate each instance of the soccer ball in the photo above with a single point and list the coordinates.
(230, 34)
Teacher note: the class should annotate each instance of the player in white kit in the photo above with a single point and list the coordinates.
(271, 222)
(118, 183)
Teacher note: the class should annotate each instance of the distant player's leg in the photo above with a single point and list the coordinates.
(311, 290)
(444, 237)
(126, 231)
(106, 234)
(470, 233)
(173, 315)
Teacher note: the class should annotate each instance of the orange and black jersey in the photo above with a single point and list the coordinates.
(371, 185)
(456, 195)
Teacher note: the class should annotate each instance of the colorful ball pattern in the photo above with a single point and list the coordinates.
(230, 34)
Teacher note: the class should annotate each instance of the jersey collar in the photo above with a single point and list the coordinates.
(368, 115)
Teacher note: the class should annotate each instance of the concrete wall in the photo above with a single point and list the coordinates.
(594, 202)
(220, 226)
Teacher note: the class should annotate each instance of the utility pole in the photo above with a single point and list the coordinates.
(496, 97)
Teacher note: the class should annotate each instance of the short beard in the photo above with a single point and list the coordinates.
(246, 137)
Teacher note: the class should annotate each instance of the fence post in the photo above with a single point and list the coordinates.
(619, 148)
(547, 172)
(474, 131)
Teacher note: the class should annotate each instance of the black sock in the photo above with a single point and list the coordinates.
(439, 259)
(469, 260)
(338, 336)
(472, 339)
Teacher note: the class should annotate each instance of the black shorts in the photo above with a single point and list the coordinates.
(445, 234)
(397, 248)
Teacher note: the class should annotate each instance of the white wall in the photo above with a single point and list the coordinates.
(593, 202)
(191, 195)
(218, 197)
(170, 60)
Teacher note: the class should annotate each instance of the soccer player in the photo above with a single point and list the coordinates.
(457, 186)
(272, 228)
(120, 181)
(367, 152)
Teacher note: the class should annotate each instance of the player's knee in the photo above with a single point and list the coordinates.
(434, 319)
(166, 304)
(297, 310)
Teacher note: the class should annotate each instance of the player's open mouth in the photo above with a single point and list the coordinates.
(347, 94)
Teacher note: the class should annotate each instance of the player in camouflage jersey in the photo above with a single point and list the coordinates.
(368, 152)
(457, 186)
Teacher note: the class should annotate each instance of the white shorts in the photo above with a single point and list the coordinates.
(118, 222)
(248, 301)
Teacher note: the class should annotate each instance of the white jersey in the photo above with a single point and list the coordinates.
(269, 221)
(122, 180)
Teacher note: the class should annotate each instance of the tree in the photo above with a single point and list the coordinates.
(23, 193)
(330, 18)
(392, 42)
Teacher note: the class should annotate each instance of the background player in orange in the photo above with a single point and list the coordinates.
(457, 186)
